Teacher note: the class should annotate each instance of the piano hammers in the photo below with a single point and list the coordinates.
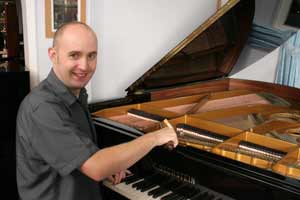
(145, 115)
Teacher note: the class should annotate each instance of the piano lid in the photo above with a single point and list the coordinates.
(209, 52)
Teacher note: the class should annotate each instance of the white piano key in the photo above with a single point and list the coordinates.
(129, 192)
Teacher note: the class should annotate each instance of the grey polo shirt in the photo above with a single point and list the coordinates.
(55, 135)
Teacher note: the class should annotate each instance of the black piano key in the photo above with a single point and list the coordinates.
(138, 183)
(128, 178)
(151, 192)
(161, 186)
(131, 179)
(143, 185)
(160, 192)
(175, 197)
(148, 187)
(166, 188)
(149, 181)
(152, 182)
(144, 182)
(176, 191)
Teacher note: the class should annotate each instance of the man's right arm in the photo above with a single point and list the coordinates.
(111, 160)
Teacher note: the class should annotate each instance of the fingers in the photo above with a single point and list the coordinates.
(127, 172)
(118, 177)
(175, 143)
(172, 136)
(111, 179)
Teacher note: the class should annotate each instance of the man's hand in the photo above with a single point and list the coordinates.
(117, 178)
(165, 135)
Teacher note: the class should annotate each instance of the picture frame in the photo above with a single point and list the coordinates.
(58, 12)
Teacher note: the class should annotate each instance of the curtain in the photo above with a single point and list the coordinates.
(288, 67)
(267, 38)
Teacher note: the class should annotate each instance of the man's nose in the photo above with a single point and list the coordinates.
(84, 64)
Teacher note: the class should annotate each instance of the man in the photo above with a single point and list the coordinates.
(57, 157)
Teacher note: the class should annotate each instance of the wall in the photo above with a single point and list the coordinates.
(262, 70)
(133, 36)
(136, 34)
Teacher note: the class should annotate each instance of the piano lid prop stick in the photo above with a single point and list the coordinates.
(199, 104)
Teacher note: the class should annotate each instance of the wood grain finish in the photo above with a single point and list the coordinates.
(279, 90)
(204, 87)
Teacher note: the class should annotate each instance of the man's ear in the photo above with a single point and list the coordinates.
(52, 55)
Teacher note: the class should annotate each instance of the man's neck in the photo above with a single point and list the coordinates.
(76, 92)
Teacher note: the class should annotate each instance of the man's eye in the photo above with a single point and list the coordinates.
(92, 56)
(74, 55)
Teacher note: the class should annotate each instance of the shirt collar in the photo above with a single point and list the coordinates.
(58, 87)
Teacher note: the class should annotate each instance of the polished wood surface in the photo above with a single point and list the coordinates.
(208, 52)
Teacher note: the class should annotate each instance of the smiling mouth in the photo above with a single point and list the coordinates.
(80, 75)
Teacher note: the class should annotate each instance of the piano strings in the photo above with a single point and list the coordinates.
(194, 135)
(200, 136)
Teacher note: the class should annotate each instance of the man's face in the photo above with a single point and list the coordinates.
(74, 57)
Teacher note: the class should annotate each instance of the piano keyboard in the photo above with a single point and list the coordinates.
(158, 186)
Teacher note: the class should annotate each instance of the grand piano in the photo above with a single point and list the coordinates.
(238, 139)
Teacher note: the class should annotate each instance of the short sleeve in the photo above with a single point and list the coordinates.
(58, 140)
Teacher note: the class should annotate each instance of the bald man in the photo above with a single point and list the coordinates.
(57, 155)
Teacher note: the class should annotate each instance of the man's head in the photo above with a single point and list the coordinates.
(74, 55)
